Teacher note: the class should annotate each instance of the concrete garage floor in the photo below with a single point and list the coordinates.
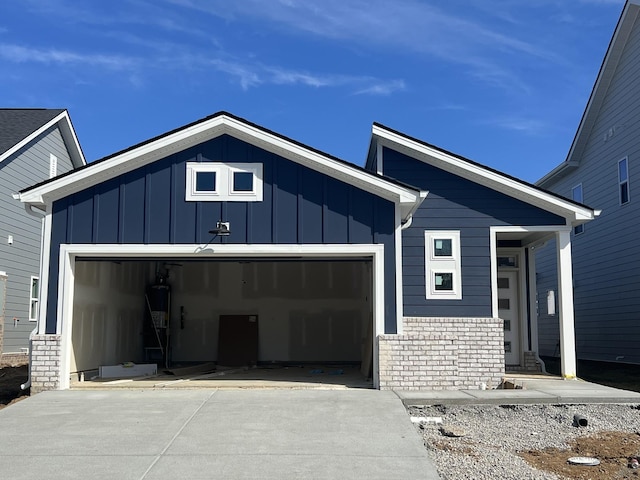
(149, 434)
(325, 377)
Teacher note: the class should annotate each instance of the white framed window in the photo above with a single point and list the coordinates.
(576, 194)
(33, 300)
(443, 276)
(623, 180)
(217, 181)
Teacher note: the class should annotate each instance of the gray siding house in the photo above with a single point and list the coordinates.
(602, 169)
(35, 145)
(222, 241)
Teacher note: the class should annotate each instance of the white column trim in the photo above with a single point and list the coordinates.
(45, 252)
(398, 275)
(565, 302)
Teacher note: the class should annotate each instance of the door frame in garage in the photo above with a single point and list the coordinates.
(69, 253)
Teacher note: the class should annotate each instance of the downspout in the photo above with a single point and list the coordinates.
(40, 216)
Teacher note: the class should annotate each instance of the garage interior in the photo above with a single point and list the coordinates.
(241, 322)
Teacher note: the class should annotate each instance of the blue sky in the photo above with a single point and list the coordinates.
(502, 82)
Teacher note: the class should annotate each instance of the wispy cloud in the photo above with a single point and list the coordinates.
(22, 54)
(412, 27)
(247, 74)
(529, 126)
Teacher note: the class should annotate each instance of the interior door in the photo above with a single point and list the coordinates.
(509, 312)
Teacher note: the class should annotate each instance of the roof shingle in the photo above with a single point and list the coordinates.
(18, 123)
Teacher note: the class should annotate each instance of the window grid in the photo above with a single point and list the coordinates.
(443, 278)
(623, 181)
(34, 288)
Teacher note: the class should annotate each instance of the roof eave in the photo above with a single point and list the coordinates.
(518, 189)
(205, 130)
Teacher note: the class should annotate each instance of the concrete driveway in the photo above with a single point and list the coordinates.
(198, 434)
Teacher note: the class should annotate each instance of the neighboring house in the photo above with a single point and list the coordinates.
(603, 170)
(35, 145)
(231, 230)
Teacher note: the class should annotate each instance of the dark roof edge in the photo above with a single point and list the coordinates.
(480, 165)
(239, 119)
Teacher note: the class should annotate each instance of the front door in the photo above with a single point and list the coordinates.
(509, 311)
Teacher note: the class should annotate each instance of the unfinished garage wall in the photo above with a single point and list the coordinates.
(108, 313)
(307, 310)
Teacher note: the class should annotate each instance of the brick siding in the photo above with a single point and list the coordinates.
(442, 353)
(45, 362)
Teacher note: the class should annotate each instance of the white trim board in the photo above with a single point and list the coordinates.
(481, 175)
(208, 129)
(68, 254)
(68, 134)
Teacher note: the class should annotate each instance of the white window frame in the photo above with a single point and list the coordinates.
(623, 182)
(442, 264)
(224, 182)
(577, 230)
(33, 299)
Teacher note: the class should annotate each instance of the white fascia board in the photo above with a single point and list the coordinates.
(321, 163)
(207, 130)
(71, 140)
(33, 135)
(483, 176)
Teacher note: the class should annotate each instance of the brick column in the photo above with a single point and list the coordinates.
(45, 362)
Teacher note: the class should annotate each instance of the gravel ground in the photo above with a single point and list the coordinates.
(493, 435)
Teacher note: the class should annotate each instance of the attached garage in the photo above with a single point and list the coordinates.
(241, 225)
(278, 311)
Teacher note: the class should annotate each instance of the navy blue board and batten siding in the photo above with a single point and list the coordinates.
(455, 203)
(300, 206)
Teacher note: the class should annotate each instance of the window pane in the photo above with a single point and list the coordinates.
(507, 325)
(507, 262)
(624, 192)
(576, 193)
(622, 170)
(205, 181)
(503, 282)
(578, 230)
(442, 247)
(504, 304)
(34, 287)
(443, 281)
(33, 312)
(243, 182)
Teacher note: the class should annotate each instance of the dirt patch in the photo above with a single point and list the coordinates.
(613, 449)
(10, 380)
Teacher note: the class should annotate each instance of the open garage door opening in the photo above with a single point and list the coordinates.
(216, 321)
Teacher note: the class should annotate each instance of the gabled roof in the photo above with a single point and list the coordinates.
(574, 212)
(221, 123)
(19, 126)
(598, 93)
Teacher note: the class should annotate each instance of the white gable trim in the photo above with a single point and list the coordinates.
(483, 176)
(66, 129)
(147, 153)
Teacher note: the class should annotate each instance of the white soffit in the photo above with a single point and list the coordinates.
(481, 175)
(206, 130)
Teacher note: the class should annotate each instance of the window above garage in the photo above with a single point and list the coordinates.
(228, 182)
